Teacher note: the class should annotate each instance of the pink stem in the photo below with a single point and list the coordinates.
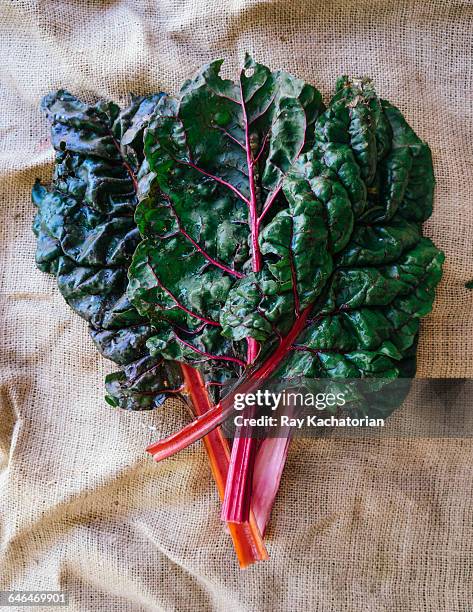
(269, 466)
(252, 350)
(236, 505)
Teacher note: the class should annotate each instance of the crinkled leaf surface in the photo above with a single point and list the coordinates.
(87, 234)
(218, 158)
(265, 216)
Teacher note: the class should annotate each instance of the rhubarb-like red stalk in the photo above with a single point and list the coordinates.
(269, 466)
(236, 505)
(246, 536)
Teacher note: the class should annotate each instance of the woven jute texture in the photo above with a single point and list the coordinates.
(365, 525)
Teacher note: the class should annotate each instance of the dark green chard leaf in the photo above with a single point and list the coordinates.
(406, 177)
(87, 234)
(354, 118)
(143, 383)
(395, 165)
(217, 161)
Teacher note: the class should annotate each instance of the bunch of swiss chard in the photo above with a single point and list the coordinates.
(240, 231)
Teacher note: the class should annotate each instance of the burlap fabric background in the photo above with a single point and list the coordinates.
(363, 526)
